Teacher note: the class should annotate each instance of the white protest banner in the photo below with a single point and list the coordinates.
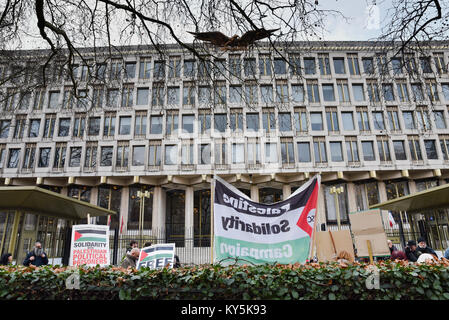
(90, 245)
(157, 256)
(280, 232)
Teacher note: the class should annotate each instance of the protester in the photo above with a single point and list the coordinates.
(391, 246)
(177, 264)
(37, 256)
(6, 259)
(344, 257)
(423, 248)
(132, 244)
(411, 252)
(131, 258)
(398, 255)
(426, 257)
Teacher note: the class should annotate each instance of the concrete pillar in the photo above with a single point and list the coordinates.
(64, 191)
(124, 210)
(189, 217)
(159, 213)
(412, 186)
(321, 214)
(352, 199)
(254, 192)
(93, 200)
(286, 191)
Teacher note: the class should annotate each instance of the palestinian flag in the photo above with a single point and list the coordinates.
(151, 253)
(90, 235)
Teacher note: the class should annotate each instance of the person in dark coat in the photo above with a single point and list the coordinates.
(411, 252)
(131, 258)
(37, 257)
(6, 259)
(391, 246)
(423, 248)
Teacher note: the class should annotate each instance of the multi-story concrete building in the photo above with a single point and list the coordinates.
(376, 126)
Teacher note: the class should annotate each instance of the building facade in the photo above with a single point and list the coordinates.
(374, 124)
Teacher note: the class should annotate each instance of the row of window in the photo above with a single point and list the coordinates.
(236, 121)
(265, 65)
(220, 94)
(287, 152)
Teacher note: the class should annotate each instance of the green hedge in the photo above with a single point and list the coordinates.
(311, 281)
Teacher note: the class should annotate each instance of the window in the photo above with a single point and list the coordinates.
(373, 91)
(410, 64)
(328, 92)
(130, 70)
(264, 65)
(251, 94)
(122, 155)
(83, 99)
(106, 156)
(235, 94)
(331, 211)
(189, 68)
(49, 125)
(97, 99)
(158, 94)
(24, 100)
(403, 91)
(204, 153)
(339, 65)
(378, 120)
(332, 119)
(294, 64)
(268, 120)
(439, 63)
(140, 124)
(220, 122)
(323, 61)
(393, 120)
(384, 150)
(425, 64)
(297, 93)
(319, 148)
(440, 123)
(445, 89)
(343, 90)
(353, 63)
(316, 121)
(2, 155)
(159, 70)
(127, 96)
(235, 66)
(366, 194)
(188, 123)
(309, 66)
(60, 153)
(188, 94)
(220, 93)
(312, 91)
(44, 157)
(75, 156)
(53, 99)
(13, 160)
(409, 120)
(279, 66)
(432, 91)
(357, 91)
(348, 121)
(204, 121)
(220, 151)
(444, 143)
(174, 67)
(154, 154)
(397, 65)
(252, 122)
(300, 120)
(34, 128)
(173, 96)
(109, 197)
(116, 67)
(287, 152)
(388, 92)
(336, 152)
(142, 96)
(368, 151)
(431, 149)
(171, 154)
(249, 66)
(113, 98)
(28, 161)
(417, 92)
(399, 150)
(64, 127)
(109, 125)
(368, 65)
(94, 126)
(363, 120)
(236, 120)
(4, 128)
(39, 96)
(352, 150)
(156, 125)
(253, 151)
(285, 121)
(266, 94)
(125, 125)
(79, 125)
(90, 160)
(281, 92)
(415, 148)
(303, 151)
(138, 155)
(382, 64)
(271, 153)
(204, 95)
(423, 118)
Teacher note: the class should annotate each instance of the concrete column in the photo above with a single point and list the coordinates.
(124, 209)
(286, 191)
(159, 212)
(412, 186)
(352, 199)
(254, 192)
(64, 191)
(93, 200)
(189, 217)
(382, 191)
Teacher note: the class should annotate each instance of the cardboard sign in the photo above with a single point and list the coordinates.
(367, 225)
(157, 256)
(90, 245)
(330, 243)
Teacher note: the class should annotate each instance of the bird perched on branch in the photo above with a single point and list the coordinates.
(235, 42)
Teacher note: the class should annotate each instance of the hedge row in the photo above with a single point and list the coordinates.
(398, 280)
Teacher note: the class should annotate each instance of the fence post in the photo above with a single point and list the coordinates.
(115, 248)
(67, 246)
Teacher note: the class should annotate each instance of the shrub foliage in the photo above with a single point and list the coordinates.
(330, 281)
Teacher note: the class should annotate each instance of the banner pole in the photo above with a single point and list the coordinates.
(312, 240)
(212, 203)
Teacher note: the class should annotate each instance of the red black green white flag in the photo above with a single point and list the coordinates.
(89, 245)
(157, 256)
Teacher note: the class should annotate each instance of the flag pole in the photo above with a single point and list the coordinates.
(212, 199)
(312, 240)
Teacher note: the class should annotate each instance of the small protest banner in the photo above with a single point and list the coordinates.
(157, 256)
(89, 245)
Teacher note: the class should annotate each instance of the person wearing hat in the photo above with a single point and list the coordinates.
(411, 252)
(423, 248)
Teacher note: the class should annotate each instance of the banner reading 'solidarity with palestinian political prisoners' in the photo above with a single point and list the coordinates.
(280, 232)
(90, 245)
